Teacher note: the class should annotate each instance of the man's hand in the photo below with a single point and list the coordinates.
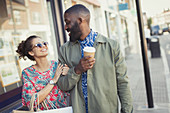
(84, 64)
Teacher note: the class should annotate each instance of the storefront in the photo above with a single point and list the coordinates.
(18, 20)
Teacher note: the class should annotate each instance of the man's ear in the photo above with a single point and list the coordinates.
(80, 20)
(31, 53)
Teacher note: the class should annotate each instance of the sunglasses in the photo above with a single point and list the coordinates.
(40, 45)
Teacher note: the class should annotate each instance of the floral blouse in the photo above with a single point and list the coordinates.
(33, 81)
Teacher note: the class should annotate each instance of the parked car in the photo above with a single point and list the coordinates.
(156, 30)
(166, 29)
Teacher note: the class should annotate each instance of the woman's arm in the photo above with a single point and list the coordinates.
(28, 88)
(46, 90)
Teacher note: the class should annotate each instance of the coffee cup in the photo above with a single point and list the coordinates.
(89, 51)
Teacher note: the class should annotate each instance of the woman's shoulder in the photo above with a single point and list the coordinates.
(54, 63)
(28, 70)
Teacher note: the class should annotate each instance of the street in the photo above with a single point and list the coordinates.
(165, 44)
(159, 80)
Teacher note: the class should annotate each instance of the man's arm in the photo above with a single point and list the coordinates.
(124, 91)
(68, 81)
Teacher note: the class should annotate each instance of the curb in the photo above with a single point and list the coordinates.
(166, 71)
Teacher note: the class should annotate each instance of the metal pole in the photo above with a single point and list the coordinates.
(12, 16)
(62, 20)
(144, 56)
(54, 16)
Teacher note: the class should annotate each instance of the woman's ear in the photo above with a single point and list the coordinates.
(31, 53)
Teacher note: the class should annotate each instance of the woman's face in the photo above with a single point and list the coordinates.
(39, 48)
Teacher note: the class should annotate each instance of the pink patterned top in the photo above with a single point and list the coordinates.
(33, 81)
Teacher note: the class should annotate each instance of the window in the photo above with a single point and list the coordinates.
(37, 1)
(17, 18)
(36, 17)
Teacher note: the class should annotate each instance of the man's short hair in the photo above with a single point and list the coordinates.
(79, 10)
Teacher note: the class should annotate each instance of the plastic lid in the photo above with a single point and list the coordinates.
(89, 49)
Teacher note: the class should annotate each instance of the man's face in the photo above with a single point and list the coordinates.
(72, 27)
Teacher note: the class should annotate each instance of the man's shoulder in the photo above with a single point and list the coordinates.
(107, 40)
(66, 44)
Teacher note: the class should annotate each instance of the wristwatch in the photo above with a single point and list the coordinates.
(52, 82)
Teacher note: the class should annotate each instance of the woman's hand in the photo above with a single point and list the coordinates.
(65, 70)
(58, 72)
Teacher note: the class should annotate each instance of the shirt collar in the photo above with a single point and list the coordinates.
(89, 39)
(99, 39)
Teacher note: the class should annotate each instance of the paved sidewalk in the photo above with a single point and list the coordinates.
(158, 81)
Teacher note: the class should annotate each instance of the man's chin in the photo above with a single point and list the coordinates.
(73, 39)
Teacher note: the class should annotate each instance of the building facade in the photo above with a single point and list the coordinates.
(162, 19)
(116, 19)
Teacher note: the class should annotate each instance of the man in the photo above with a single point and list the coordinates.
(94, 84)
(147, 36)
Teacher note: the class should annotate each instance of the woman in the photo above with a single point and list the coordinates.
(41, 78)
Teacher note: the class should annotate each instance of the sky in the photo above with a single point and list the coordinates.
(152, 7)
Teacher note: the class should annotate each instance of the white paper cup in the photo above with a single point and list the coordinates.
(89, 51)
